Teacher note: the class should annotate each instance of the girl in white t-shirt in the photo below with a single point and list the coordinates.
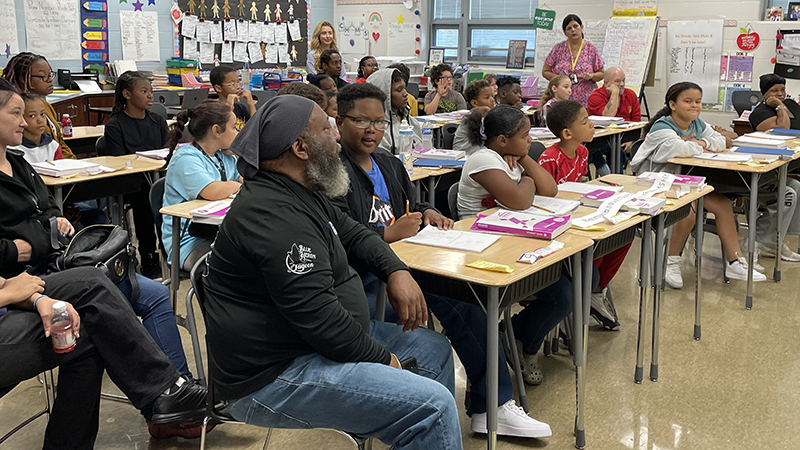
(559, 89)
(501, 171)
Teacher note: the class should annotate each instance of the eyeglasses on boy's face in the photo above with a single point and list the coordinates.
(233, 84)
(46, 77)
(364, 123)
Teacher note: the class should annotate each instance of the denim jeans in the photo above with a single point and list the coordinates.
(465, 325)
(400, 408)
(155, 309)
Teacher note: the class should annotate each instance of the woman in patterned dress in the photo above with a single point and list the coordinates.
(576, 58)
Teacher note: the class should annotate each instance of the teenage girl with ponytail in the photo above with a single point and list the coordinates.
(501, 171)
(131, 128)
(203, 169)
(677, 131)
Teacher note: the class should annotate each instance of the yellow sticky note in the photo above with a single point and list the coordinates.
(490, 266)
(590, 228)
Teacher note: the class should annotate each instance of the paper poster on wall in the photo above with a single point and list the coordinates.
(628, 45)
(695, 49)
(402, 39)
(353, 34)
(9, 43)
(56, 33)
(594, 31)
(139, 35)
(723, 68)
(634, 8)
(740, 68)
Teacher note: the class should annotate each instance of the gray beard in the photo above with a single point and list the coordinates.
(326, 173)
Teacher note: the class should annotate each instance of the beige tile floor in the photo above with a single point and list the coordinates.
(737, 388)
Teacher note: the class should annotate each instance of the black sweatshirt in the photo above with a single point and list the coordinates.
(280, 285)
(25, 210)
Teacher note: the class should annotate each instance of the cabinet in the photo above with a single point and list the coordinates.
(78, 108)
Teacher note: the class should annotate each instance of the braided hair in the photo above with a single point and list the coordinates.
(18, 70)
(125, 82)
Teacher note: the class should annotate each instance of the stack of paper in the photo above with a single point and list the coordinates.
(120, 66)
(523, 223)
(693, 182)
(453, 239)
(747, 140)
(603, 121)
(64, 167)
(552, 206)
(211, 214)
(161, 153)
(438, 153)
(645, 205)
(583, 188)
(541, 133)
(726, 157)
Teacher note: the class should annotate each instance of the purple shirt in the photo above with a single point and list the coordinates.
(589, 61)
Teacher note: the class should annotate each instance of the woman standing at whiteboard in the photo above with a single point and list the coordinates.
(577, 59)
(322, 39)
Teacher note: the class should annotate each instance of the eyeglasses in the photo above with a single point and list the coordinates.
(446, 77)
(49, 76)
(233, 84)
(376, 65)
(364, 123)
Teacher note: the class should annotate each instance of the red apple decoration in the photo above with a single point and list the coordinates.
(748, 40)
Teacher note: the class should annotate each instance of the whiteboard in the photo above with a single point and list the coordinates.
(629, 46)
(139, 35)
(55, 30)
(593, 31)
(402, 39)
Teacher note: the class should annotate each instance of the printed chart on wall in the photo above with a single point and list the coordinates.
(9, 45)
(139, 35)
(593, 31)
(94, 35)
(629, 45)
(263, 33)
(695, 49)
(735, 74)
(56, 33)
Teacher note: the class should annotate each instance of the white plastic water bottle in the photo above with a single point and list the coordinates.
(427, 138)
(61, 329)
(404, 149)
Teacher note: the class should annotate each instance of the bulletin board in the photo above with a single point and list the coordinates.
(380, 30)
(261, 33)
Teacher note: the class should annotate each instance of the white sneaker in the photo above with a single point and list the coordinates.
(737, 270)
(786, 253)
(673, 274)
(512, 421)
(758, 250)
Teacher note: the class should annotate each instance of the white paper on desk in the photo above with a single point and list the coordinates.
(206, 52)
(229, 30)
(240, 52)
(271, 54)
(283, 54)
(254, 49)
(216, 33)
(280, 33)
(725, 157)
(227, 52)
(255, 31)
(243, 30)
(663, 183)
(189, 26)
(453, 239)
(203, 32)
(100, 169)
(88, 86)
(584, 188)
(606, 210)
(558, 206)
(160, 153)
(190, 49)
(268, 33)
(294, 30)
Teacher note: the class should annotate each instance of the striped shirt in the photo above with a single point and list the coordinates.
(563, 168)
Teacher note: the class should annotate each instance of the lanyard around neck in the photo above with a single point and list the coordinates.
(575, 60)
(220, 167)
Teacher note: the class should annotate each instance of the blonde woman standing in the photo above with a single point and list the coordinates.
(322, 39)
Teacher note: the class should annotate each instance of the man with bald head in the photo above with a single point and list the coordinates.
(613, 99)
(286, 316)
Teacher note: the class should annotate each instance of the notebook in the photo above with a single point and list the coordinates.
(438, 153)
(583, 188)
(726, 157)
(784, 132)
(763, 151)
(453, 239)
(645, 205)
(693, 182)
(522, 223)
(212, 213)
(161, 153)
(552, 206)
(759, 142)
(65, 167)
(438, 163)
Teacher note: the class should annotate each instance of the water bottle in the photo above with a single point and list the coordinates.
(61, 329)
(66, 126)
(427, 137)
(404, 149)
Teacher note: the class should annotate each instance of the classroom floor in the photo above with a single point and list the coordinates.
(737, 388)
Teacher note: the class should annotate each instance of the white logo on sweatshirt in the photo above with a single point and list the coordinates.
(299, 259)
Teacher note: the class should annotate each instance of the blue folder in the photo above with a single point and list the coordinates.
(423, 162)
(784, 131)
(765, 151)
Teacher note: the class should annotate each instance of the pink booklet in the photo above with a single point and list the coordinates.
(596, 197)
(526, 224)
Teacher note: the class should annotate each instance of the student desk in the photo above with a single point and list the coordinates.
(429, 174)
(86, 132)
(755, 173)
(89, 187)
(84, 139)
(443, 271)
(741, 126)
(615, 141)
(675, 210)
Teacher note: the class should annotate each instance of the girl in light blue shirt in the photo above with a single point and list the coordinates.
(203, 169)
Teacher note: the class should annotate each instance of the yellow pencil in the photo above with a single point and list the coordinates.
(543, 209)
(49, 162)
(407, 207)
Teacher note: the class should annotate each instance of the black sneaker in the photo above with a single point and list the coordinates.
(603, 310)
(182, 404)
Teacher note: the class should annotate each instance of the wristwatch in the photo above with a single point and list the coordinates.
(781, 106)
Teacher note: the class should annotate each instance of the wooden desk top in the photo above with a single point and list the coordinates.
(734, 166)
(138, 165)
(86, 132)
(183, 210)
(420, 173)
(507, 250)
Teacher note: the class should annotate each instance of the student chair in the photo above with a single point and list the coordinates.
(49, 396)
(100, 146)
(213, 412)
(413, 89)
(167, 98)
(448, 134)
(263, 97)
(159, 110)
(536, 149)
(156, 202)
(745, 100)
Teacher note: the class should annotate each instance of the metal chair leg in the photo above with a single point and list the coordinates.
(192, 327)
(511, 342)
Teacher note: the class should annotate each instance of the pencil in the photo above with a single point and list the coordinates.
(49, 162)
(407, 207)
(608, 183)
(543, 209)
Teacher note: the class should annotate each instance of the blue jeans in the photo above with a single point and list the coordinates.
(551, 306)
(398, 407)
(155, 309)
(465, 325)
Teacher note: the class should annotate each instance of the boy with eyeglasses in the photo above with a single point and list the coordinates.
(227, 84)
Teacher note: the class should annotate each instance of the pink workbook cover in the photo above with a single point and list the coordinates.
(515, 222)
